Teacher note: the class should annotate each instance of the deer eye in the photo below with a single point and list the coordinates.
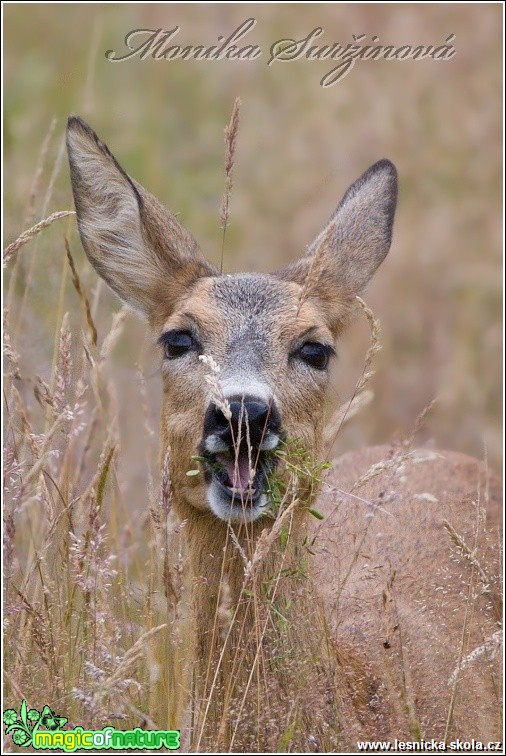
(316, 355)
(176, 343)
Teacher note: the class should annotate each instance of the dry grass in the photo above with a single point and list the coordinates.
(231, 132)
(25, 237)
(69, 607)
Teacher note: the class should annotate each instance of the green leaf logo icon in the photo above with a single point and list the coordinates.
(22, 727)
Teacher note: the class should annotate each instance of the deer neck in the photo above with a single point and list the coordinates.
(253, 607)
(234, 569)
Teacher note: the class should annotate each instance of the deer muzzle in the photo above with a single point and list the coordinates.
(238, 443)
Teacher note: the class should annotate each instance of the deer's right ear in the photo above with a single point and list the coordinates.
(355, 241)
(132, 241)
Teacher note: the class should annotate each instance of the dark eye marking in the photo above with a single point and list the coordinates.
(314, 354)
(176, 343)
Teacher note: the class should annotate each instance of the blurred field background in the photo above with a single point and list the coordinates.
(438, 294)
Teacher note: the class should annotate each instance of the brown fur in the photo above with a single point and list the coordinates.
(394, 603)
(405, 602)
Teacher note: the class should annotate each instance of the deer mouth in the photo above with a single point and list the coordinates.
(238, 482)
(237, 452)
(240, 477)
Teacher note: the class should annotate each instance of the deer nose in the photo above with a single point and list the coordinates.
(250, 421)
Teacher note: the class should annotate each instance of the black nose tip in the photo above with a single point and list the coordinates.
(256, 413)
(250, 418)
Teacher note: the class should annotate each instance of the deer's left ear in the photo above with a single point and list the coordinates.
(354, 242)
(134, 243)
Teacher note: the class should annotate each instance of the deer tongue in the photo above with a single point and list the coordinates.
(238, 471)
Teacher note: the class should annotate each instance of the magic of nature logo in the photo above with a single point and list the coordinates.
(23, 726)
(43, 730)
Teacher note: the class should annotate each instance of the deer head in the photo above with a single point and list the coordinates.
(271, 336)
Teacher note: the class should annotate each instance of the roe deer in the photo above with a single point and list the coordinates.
(379, 620)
